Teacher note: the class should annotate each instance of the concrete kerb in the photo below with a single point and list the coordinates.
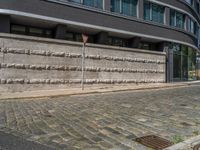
(186, 145)
(77, 91)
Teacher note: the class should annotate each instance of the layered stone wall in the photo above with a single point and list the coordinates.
(29, 63)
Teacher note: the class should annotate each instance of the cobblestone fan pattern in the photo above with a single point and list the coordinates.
(105, 121)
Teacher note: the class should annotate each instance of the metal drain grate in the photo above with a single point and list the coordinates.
(154, 142)
(197, 147)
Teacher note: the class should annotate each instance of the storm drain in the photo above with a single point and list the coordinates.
(154, 142)
(197, 147)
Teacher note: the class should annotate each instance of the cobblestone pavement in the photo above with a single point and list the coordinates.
(105, 121)
(8, 141)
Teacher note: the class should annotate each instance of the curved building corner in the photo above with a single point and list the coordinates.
(169, 27)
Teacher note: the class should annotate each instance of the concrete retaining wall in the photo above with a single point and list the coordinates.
(29, 63)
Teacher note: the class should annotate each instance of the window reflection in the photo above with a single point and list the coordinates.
(184, 63)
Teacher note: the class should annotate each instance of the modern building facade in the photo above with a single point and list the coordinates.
(171, 26)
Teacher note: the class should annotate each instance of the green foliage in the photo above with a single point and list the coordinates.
(196, 133)
(177, 139)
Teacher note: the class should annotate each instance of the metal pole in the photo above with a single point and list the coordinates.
(83, 66)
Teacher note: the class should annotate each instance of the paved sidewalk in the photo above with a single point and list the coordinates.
(89, 90)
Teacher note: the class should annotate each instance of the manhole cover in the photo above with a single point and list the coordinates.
(154, 142)
(197, 147)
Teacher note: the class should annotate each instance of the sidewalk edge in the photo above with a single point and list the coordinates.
(187, 144)
(93, 92)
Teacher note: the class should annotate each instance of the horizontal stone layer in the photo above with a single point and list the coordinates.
(43, 60)
(73, 55)
(75, 81)
(75, 68)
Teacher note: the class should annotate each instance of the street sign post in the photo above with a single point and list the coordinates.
(85, 39)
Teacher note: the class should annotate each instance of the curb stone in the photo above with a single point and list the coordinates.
(77, 91)
(66, 92)
(186, 145)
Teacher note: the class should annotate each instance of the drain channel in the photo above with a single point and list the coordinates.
(154, 142)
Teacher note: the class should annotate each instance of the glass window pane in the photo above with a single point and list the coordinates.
(153, 12)
(48, 33)
(35, 30)
(189, 1)
(129, 7)
(126, 7)
(189, 24)
(89, 2)
(18, 29)
(78, 37)
(147, 10)
(158, 13)
(75, 1)
(179, 20)
(117, 42)
(99, 4)
(198, 65)
(177, 67)
(115, 6)
(94, 3)
(172, 17)
(192, 26)
(191, 64)
(197, 7)
(69, 36)
(161, 14)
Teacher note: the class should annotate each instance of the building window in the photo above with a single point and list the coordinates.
(69, 36)
(116, 6)
(91, 3)
(198, 32)
(72, 36)
(184, 62)
(145, 45)
(126, 7)
(176, 19)
(35, 31)
(94, 3)
(189, 2)
(191, 25)
(48, 33)
(115, 41)
(75, 1)
(197, 7)
(153, 12)
(17, 29)
(32, 31)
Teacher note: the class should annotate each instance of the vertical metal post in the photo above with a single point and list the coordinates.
(83, 66)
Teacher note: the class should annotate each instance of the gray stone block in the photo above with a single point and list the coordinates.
(15, 51)
(34, 81)
(19, 66)
(38, 52)
(3, 81)
(58, 54)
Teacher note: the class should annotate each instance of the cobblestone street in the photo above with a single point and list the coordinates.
(104, 121)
